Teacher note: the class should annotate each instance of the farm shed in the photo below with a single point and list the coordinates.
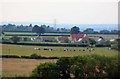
(101, 40)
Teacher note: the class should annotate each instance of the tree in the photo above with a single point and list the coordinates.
(89, 30)
(79, 67)
(38, 30)
(92, 41)
(15, 39)
(30, 25)
(46, 71)
(74, 30)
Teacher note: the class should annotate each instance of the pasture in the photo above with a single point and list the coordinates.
(22, 50)
(106, 36)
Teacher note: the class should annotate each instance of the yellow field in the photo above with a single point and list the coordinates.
(12, 67)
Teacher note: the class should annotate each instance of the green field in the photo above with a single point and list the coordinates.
(106, 36)
(56, 52)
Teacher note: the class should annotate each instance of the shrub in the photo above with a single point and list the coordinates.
(46, 71)
(35, 56)
(15, 39)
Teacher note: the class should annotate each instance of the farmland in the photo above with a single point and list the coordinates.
(57, 51)
(14, 67)
(32, 35)
(17, 67)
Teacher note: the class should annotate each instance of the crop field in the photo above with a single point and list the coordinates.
(21, 50)
(12, 67)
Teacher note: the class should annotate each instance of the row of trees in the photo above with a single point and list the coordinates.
(76, 30)
(80, 67)
(12, 27)
(24, 28)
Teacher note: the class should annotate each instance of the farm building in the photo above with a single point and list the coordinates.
(101, 40)
(38, 39)
(78, 37)
(112, 40)
(83, 41)
(62, 39)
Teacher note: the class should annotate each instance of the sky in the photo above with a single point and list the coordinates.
(69, 12)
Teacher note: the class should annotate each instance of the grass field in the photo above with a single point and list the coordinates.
(105, 36)
(23, 67)
(57, 51)
(12, 67)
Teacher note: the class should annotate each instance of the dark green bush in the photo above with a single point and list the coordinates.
(46, 71)
(35, 56)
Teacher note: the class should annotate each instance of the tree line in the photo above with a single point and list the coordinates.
(47, 28)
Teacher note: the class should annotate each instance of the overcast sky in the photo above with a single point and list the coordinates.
(73, 12)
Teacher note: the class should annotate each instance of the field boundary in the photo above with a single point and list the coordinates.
(58, 45)
(27, 57)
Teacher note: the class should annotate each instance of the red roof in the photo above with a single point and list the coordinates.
(78, 36)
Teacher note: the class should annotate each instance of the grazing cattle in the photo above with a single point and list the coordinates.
(79, 50)
(73, 50)
(50, 49)
(36, 48)
(83, 49)
(89, 50)
(109, 48)
(65, 49)
(46, 49)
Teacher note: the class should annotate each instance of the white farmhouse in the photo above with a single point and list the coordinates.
(101, 40)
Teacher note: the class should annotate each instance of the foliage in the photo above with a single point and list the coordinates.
(35, 56)
(46, 71)
(92, 41)
(116, 44)
(25, 39)
(15, 39)
(67, 40)
(38, 30)
(74, 30)
(80, 67)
